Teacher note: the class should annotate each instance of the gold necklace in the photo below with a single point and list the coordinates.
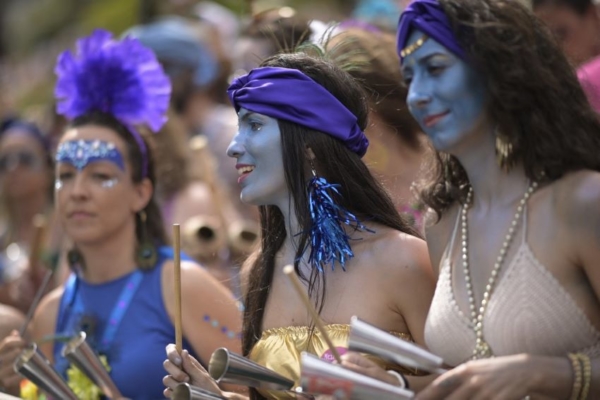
(482, 349)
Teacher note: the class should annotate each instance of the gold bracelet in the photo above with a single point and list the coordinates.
(587, 375)
(576, 376)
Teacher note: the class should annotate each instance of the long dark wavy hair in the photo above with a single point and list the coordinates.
(153, 230)
(360, 192)
(535, 99)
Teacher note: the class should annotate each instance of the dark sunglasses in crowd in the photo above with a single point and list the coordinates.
(11, 161)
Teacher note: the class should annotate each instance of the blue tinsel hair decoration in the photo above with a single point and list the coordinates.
(329, 242)
(122, 78)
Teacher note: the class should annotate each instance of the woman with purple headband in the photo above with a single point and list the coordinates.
(298, 151)
(516, 241)
(120, 291)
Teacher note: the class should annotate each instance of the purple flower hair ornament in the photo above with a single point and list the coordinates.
(122, 78)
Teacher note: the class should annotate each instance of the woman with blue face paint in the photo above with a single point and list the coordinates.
(298, 152)
(121, 289)
(516, 192)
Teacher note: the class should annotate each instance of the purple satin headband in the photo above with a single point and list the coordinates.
(288, 94)
(428, 17)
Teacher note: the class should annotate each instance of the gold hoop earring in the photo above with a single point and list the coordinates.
(504, 151)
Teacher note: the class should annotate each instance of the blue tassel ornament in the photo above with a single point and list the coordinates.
(329, 241)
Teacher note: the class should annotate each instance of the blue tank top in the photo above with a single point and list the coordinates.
(136, 351)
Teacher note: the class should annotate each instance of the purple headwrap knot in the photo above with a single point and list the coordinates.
(428, 17)
(288, 94)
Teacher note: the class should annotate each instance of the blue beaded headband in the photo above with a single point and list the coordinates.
(80, 153)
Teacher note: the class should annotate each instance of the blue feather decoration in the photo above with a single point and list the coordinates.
(329, 241)
(122, 78)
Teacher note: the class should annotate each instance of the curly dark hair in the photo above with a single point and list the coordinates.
(530, 82)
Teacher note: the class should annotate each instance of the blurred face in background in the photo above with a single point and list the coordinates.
(577, 33)
(24, 168)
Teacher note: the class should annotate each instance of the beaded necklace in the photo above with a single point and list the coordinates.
(482, 348)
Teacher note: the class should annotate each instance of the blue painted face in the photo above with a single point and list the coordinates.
(445, 95)
(257, 148)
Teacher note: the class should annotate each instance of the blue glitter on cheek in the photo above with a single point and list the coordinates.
(81, 153)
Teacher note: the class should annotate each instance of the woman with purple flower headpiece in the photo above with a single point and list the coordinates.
(298, 150)
(120, 291)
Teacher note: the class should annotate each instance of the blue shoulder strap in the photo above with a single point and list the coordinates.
(66, 302)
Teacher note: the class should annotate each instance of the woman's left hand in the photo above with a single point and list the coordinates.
(502, 378)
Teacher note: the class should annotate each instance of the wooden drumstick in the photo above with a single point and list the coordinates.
(36, 246)
(36, 300)
(177, 281)
(291, 274)
(37, 242)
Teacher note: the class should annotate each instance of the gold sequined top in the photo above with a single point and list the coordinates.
(279, 349)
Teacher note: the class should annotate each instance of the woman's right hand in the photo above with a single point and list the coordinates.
(183, 368)
(359, 363)
(10, 347)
